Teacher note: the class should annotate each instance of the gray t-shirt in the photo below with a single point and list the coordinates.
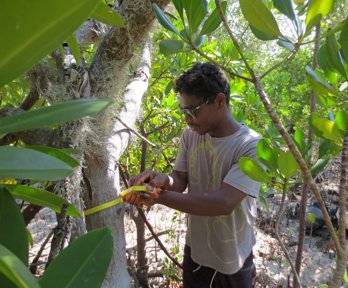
(220, 242)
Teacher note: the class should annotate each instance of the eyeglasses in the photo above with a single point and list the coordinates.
(193, 112)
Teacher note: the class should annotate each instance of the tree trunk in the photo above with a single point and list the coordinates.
(103, 175)
(108, 75)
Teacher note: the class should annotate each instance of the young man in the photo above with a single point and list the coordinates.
(220, 198)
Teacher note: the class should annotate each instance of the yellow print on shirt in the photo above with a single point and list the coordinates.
(203, 160)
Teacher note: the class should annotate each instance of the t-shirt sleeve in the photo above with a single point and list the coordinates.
(236, 178)
(181, 159)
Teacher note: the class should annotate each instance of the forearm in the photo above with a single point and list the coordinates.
(177, 182)
(209, 205)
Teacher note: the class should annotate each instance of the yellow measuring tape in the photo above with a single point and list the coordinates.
(114, 202)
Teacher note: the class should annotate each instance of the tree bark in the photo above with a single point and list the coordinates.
(341, 262)
(103, 175)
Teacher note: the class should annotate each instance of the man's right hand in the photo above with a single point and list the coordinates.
(155, 179)
(141, 198)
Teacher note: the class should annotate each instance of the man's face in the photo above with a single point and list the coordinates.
(199, 114)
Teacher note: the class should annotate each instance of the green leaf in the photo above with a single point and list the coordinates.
(34, 29)
(287, 164)
(168, 47)
(260, 18)
(179, 7)
(344, 40)
(311, 217)
(57, 153)
(30, 238)
(23, 163)
(319, 85)
(42, 198)
(317, 9)
(14, 269)
(75, 48)
(253, 169)
(13, 232)
(325, 128)
(334, 56)
(341, 120)
(83, 263)
(266, 154)
(214, 20)
(199, 41)
(286, 45)
(319, 166)
(263, 203)
(104, 13)
(169, 87)
(54, 114)
(261, 35)
(328, 148)
(195, 13)
(286, 8)
(326, 101)
(163, 19)
(323, 60)
(299, 140)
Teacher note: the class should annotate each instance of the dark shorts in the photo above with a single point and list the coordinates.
(203, 277)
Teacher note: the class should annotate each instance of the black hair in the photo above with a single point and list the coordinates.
(204, 80)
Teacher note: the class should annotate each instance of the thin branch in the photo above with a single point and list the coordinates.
(287, 58)
(148, 225)
(343, 189)
(165, 232)
(59, 234)
(35, 262)
(234, 40)
(30, 100)
(158, 128)
(279, 217)
(136, 133)
(167, 160)
(228, 71)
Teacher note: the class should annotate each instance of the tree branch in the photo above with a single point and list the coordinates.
(148, 225)
(234, 40)
(279, 217)
(136, 133)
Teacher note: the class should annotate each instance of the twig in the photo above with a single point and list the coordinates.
(148, 225)
(234, 40)
(230, 72)
(279, 216)
(59, 234)
(35, 262)
(135, 132)
(287, 58)
(158, 128)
